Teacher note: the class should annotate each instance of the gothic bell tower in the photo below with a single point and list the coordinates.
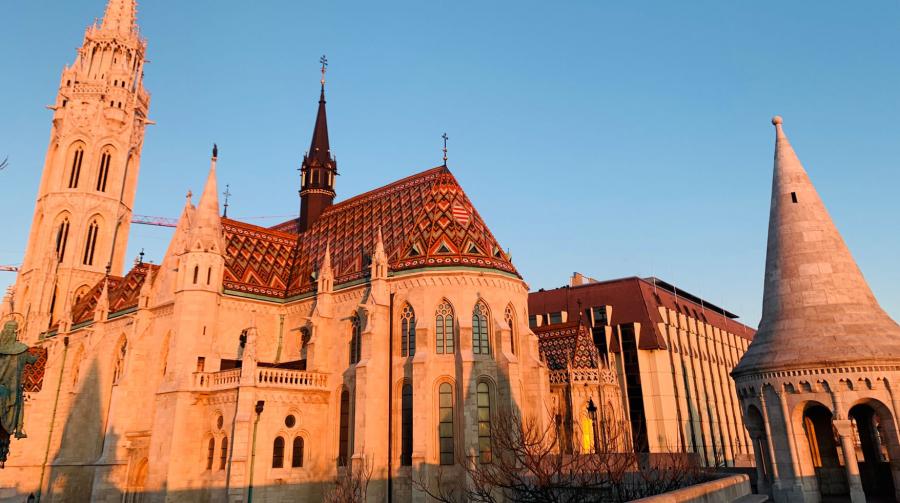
(84, 203)
(319, 168)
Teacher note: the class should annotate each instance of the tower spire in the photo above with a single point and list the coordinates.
(319, 167)
(120, 16)
(817, 307)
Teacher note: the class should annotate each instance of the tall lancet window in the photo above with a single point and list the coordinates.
(344, 430)
(445, 424)
(62, 238)
(480, 334)
(484, 423)
(443, 328)
(75, 170)
(406, 424)
(355, 340)
(510, 317)
(91, 243)
(407, 331)
(103, 172)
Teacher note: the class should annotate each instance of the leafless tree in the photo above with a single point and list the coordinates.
(352, 486)
(528, 466)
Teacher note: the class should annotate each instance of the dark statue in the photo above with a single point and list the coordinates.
(14, 356)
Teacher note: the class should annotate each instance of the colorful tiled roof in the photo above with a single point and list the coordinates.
(426, 220)
(123, 293)
(567, 345)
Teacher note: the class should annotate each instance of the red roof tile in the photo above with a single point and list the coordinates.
(426, 220)
(567, 344)
(123, 293)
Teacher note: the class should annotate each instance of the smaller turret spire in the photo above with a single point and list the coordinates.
(319, 167)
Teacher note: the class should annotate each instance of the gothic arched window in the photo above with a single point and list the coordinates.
(297, 453)
(510, 317)
(103, 172)
(90, 244)
(355, 340)
(445, 425)
(443, 328)
(62, 238)
(407, 331)
(480, 334)
(484, 423)
(210, 453)
(278, 453)
(406, 425)
(223, 453)
(75, 170)
(344, 433)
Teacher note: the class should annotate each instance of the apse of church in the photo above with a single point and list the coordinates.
(386, 331)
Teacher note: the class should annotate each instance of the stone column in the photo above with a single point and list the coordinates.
(776, 480)
(762, 479)
(845, 430)
(792, 443)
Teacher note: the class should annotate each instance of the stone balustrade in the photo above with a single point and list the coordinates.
(263, 378)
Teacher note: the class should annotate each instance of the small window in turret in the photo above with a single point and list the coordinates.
(794, 197)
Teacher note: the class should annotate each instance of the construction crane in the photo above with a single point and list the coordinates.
(157, 221)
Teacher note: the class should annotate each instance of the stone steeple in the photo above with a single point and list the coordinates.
(206, 227)
(318, 170)
(818, 310)
(120, 16)
(96, 137)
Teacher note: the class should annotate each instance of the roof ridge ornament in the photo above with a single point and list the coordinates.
(445, 138)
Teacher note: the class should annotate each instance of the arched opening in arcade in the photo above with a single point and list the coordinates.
(824, 447)
(757, 429)
(876, 446)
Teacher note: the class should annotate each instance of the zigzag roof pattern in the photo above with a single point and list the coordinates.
(426, 221)
(567, 345)
(123, 293)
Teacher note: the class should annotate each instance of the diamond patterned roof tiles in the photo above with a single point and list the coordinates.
(426, 220)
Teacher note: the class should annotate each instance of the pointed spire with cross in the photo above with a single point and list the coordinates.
(227, 195)
(324, 61)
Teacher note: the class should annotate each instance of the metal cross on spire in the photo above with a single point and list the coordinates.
(324, 61)
(445, 137)
(227, 194)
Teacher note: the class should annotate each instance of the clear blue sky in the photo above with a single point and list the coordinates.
(611, 138)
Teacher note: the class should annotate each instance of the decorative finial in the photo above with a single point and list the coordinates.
(324, 61)
(141, 257)
(445, 137)
(215, 151)
(227, 194)
(777, 120)
(189, 195)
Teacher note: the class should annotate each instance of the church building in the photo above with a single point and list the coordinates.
(383, 333)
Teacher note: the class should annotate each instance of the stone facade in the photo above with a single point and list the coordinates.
(818, 385)
(385, 332)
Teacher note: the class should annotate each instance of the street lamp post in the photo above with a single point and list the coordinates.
(260, 405)
(592, 412)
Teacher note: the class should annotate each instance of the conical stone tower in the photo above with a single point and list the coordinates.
(817, 384)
